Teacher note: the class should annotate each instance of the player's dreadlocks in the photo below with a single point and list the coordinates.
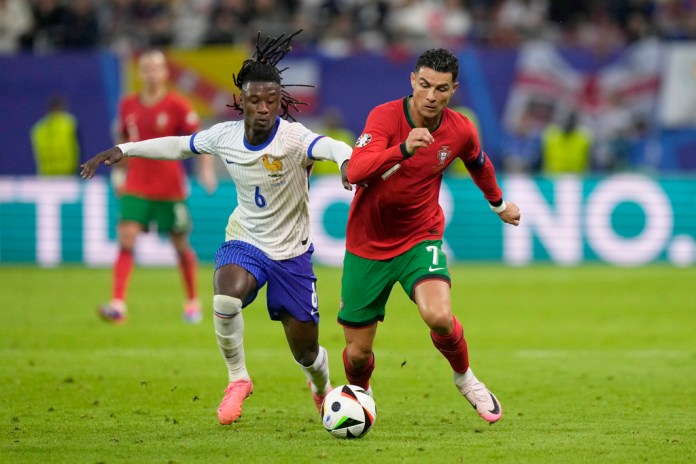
(262, 68)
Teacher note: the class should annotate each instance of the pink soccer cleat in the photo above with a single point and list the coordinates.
(230, 408)
(113, 311)
(484, 402)
(319, 399)
(192, 311)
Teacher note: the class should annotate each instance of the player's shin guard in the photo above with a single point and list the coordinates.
(318, 372)
(359, 376)
(229, 330)
(453, 347)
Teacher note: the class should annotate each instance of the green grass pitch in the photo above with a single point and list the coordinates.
(591, 364)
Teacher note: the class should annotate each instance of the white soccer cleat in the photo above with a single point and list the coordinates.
(484, 402)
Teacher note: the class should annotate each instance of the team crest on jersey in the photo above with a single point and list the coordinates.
(161, 121)
(274, 166)
(363, 140)
(443, 154)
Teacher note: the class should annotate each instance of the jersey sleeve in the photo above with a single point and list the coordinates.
(479, 165)
(372, 154)
(207, 141)
(300, 143)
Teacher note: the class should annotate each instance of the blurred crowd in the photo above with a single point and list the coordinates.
(339, 27)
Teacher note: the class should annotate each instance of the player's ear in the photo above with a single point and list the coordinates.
(413, 80)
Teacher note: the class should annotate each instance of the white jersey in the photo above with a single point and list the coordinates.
(272, 182)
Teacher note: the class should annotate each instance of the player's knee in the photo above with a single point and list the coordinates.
(306, 358)
(358, 356)
(440, 322)
(226, 306)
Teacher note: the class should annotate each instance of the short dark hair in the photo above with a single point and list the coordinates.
(440, 60)
(262, 68)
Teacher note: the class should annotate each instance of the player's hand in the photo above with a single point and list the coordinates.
(108, 157)
(511, 215)
(419, 137)
(344, 176)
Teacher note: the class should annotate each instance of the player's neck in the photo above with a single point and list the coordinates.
(419, 121)
(149, 97)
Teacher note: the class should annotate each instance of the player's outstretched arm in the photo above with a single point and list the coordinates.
(107, 157)
(511, 214)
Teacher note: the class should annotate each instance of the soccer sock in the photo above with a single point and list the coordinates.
(122, 269)
(318, 372)
(359, 376)
(188, 265)
(229, 331)
(453, 347)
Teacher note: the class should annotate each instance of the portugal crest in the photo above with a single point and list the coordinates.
(443, 154)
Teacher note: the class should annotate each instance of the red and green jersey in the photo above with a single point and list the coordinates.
(173, 115)
(399, 207)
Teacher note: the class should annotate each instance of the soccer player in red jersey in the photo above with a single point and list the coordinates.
(396, 225)
(155, 111)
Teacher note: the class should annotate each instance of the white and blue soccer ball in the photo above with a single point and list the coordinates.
(348, 412)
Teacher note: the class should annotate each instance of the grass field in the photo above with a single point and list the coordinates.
(591, 364)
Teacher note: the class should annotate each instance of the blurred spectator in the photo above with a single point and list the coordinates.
(16, 19)
(520, 20)
(423, 24)
(55, 141)
(228, 22)
(117, 18)
(614, 129)
(48, 32)
(566, 148)
(521, 149)
(274, 17)
(191, 22)
(81, 25)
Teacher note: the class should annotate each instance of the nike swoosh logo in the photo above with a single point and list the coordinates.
(433, 269)
(496, 406)
(228, 161)
(314, 312)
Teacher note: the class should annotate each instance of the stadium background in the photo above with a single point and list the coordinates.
(637, 213)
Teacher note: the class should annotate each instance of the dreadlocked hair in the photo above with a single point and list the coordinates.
(262, 68)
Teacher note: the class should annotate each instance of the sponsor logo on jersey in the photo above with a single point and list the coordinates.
(363, 140)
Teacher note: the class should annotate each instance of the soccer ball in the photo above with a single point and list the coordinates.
(348, 412)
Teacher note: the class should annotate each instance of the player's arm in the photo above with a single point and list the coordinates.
(163, 148)
(371, 155)
(482, 172)
(326, 148)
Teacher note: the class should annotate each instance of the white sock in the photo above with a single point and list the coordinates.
(230, 333)
(465, 377)
(318, 372)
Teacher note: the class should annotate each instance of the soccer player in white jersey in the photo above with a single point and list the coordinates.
(268, 236)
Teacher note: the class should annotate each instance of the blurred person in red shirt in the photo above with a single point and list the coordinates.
(155, 111)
